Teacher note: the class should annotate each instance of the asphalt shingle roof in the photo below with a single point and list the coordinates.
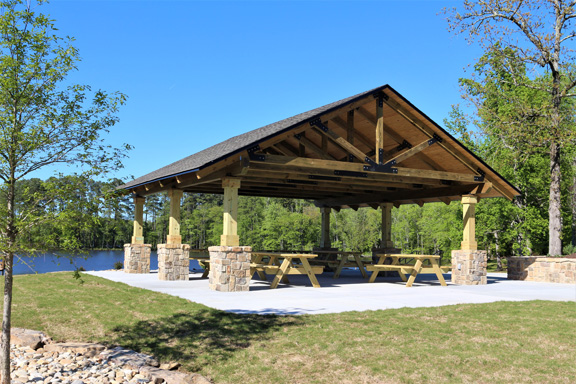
(239, 143)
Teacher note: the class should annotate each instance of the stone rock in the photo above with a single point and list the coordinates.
(174, 377)
(28, 338)
(130, 359)
(170, 366)
(86, 349)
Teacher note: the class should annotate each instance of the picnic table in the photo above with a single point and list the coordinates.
(204, 261)
(288, 266)
(408, 269)
(343, 260)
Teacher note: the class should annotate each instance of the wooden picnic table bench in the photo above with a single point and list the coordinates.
(203, 260)
(342, 261)
(285, 268)
(408, 269)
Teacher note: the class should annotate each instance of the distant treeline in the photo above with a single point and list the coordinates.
(92, 215)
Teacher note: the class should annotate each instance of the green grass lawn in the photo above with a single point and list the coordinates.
(505, 342)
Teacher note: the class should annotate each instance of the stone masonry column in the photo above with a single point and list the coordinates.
(174, 257)
(137, 254)
(469, 264)
(137, 258)
(469, 267)
(229, 268)
(173, 261)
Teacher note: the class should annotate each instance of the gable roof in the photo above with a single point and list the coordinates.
(238, 143)
(316, 154)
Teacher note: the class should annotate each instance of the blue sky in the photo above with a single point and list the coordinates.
(199, 72)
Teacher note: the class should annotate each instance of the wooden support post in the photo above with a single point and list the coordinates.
(325, 231)
(469, 215)
(379, 130)
(387, 225)
(174, 223)
(230, 236)
(138, 233)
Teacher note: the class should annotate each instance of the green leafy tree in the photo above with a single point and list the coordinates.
(42, 122)
(541, 35)
(506, 129)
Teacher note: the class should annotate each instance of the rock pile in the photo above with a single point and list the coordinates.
(84, 363)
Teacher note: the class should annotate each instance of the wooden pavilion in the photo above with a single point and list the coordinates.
(374, 149)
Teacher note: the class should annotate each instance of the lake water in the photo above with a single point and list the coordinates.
(90, 261)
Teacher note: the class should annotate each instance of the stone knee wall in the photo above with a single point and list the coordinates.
(173, 261)
(137, 258)
(542, 269)
(469, 267)
(229, 268)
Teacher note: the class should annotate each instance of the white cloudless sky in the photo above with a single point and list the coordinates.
(199, 72)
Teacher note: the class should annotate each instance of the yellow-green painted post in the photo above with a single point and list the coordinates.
(230, 236)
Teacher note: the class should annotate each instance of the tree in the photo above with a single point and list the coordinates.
(42, 123)
(539, 32)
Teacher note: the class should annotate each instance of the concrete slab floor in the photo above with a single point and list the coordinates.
(350, 292)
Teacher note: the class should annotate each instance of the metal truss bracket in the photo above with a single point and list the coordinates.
(350, 174)
(381, 96)
(481, 177)
(403, 145)
(318, 124)
(383, 168)
(435, 139)
(325, 178)
(381, 154)
(304, 182)
(252, 153)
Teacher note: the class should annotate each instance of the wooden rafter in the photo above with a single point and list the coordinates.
(281, 150)
(287, 148)
(314, 148)
(357, 135)
(411, 152)
(343, 143)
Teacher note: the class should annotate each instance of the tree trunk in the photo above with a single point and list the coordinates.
(6, 320)
(554, 214)
(8, 281)
(498, 258)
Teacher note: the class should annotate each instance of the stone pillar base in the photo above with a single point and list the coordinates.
(173, 261)
(230, 268)
(469, 267)
(137, 258)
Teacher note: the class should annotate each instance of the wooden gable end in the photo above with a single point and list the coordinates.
(375, 149)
